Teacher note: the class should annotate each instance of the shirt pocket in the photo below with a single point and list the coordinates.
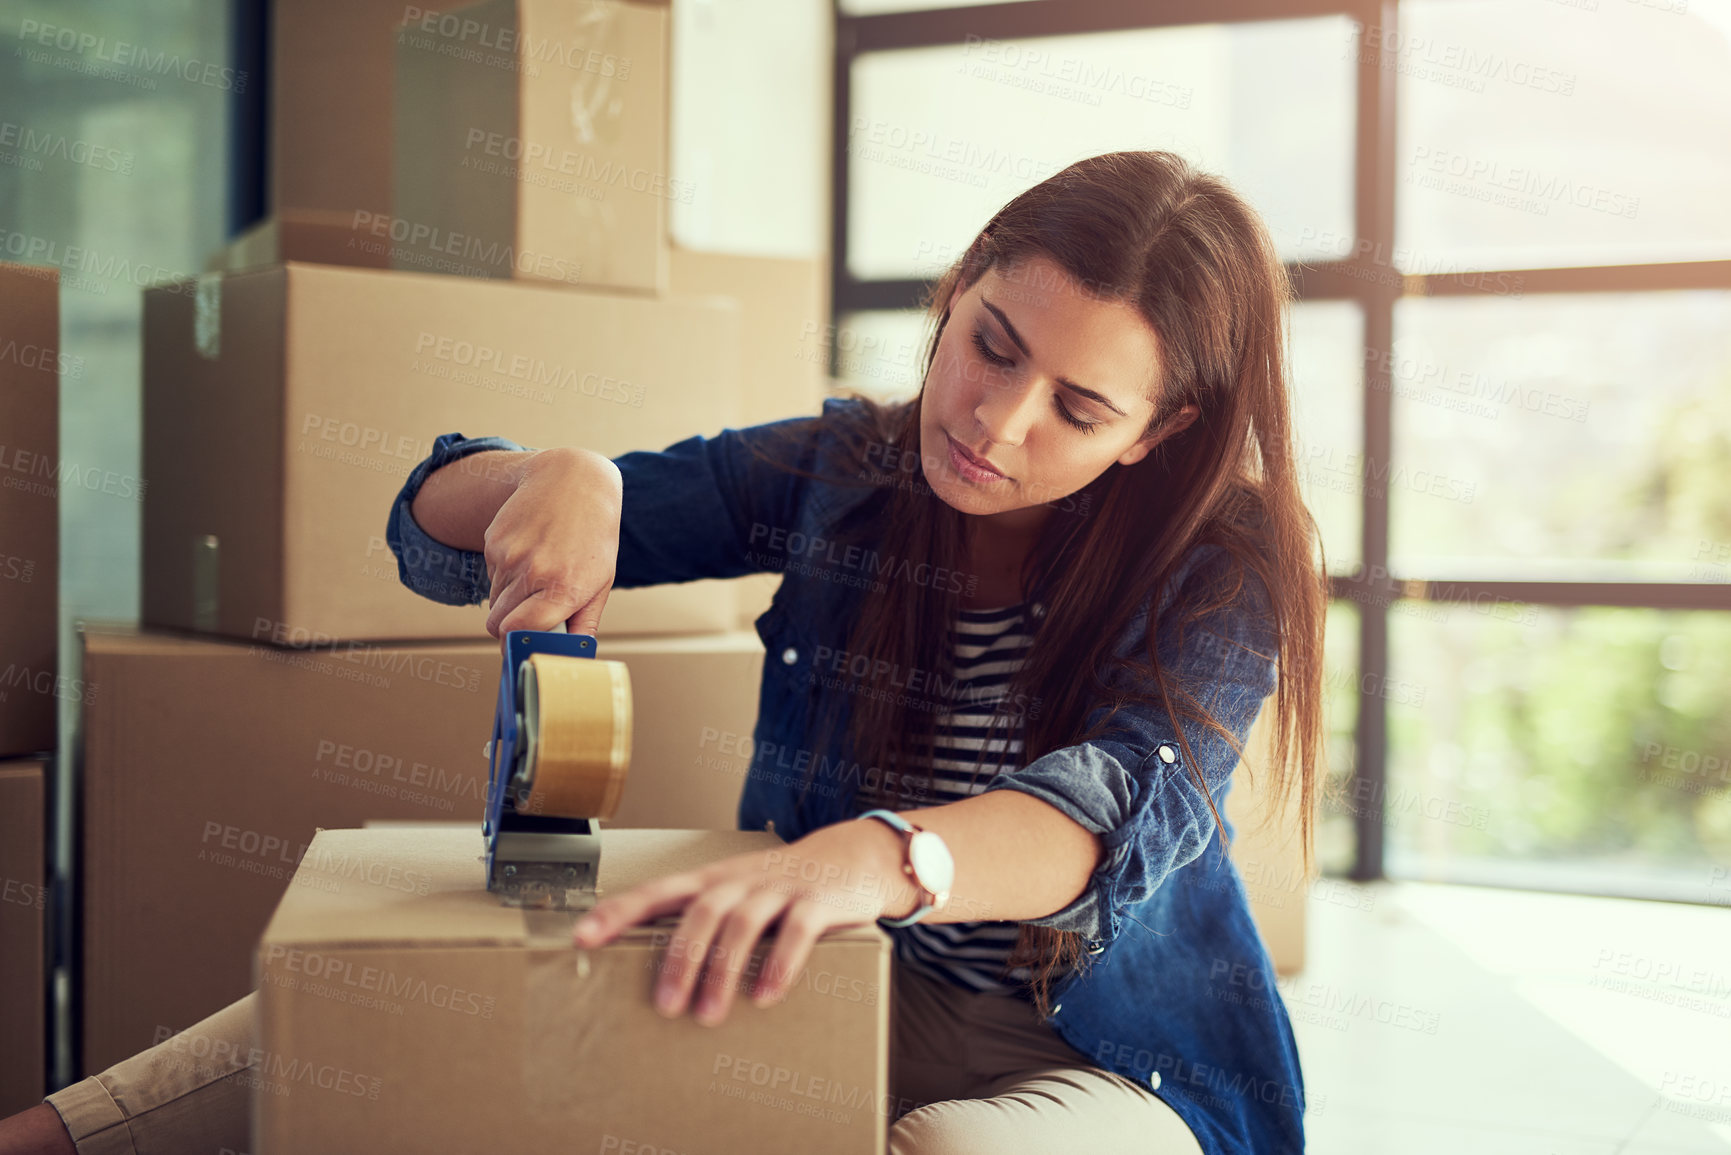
(786, 658)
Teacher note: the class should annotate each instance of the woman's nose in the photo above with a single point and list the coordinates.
(1005, 410)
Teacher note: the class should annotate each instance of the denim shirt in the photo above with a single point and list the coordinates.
(1181, 993)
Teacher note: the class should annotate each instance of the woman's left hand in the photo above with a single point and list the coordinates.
(826, 880)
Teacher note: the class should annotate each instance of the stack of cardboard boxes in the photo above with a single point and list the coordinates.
(30, 682)
(518, 281)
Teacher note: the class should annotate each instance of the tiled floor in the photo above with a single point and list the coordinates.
(1454, 1019)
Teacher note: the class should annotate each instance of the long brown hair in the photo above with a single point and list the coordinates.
(1198, 264)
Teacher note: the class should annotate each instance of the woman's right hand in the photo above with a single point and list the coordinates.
(553, 546)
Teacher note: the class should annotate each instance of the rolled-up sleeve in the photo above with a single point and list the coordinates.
(1133, 785)
(456, 577)
(705, 507)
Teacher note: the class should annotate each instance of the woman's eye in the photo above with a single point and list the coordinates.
(986, 350)
(1071, 419)
(1064, 412)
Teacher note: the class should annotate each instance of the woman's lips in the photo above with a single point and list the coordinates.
(970, 467)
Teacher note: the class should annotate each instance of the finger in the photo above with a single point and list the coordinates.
(501, 570)
(588, 619)
(688, 950)
(641, 903)
(502, 603)
(534, 612)
(665, 895)
(801, 926)
(740, 932)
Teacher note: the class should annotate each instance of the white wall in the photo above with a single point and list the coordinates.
(751, 125)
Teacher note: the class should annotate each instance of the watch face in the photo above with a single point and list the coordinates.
(931, 860)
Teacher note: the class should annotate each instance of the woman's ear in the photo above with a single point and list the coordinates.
(1171, 427)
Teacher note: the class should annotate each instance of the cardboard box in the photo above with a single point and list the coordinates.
(695, 702)
(208, 765)
(536, 128)
(452, 1023)
(30, 477)
(330, 105)
(283, 408)
(784, 310)
(23, 938)
(319, 238)
(1269, 855)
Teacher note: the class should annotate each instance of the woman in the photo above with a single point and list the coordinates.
(1036, 610)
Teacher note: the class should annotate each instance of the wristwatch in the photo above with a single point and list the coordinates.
(925, 860)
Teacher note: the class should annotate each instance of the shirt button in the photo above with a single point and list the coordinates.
(1095, 946)
(1154, 1080)
(790, 655)
(1167, 754)
(1057, 1008)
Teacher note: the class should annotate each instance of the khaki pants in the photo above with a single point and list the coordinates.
(968, 1072)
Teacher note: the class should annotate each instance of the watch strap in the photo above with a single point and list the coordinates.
(907, 829)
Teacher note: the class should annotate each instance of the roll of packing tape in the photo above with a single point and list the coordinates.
(577, 735)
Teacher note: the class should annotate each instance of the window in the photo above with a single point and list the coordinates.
(1511, 360)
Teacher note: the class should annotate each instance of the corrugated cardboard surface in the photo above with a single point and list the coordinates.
(784, 311)
(30, 477)
(537, 127)
(356, 238)
(209, 764)
(782, 303)
(284, 408)
(331, 103)
(23, 906)
(695, 705)
(455, 1024)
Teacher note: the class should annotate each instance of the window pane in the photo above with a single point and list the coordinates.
(1575, 132)
(1591, 746)
(942, 137)
(1564, 436)
(1336, 840)
(1328, 408)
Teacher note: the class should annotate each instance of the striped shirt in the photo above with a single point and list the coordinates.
(990, 646)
